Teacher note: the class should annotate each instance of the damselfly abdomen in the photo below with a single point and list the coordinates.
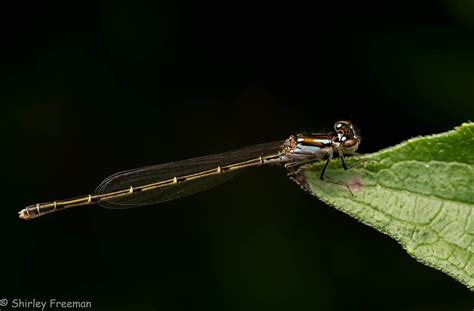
(165, 182)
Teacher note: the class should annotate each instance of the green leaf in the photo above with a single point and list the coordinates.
(420, 192)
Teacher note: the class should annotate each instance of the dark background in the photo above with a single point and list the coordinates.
(92, 88)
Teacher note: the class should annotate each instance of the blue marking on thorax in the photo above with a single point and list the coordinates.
(327, 142)
(305, 149)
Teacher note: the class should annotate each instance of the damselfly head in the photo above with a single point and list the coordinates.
(347, 137)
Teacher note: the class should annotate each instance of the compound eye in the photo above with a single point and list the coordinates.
(342, 126)
(349, 142)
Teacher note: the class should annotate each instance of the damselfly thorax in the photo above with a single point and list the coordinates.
(165, 182)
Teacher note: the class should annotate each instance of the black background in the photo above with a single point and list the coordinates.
(92, 88)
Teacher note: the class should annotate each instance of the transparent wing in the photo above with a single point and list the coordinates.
(153, 174)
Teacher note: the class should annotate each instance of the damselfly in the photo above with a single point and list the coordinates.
(165, 182)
